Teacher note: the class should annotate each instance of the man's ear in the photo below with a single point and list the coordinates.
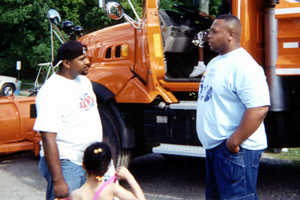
(66, 63)
(231, 35)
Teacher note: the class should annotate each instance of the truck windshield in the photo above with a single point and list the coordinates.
(188, 6)
(191, 4)
(211, 7)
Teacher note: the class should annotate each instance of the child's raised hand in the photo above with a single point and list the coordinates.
(122, 173)
(137, 193)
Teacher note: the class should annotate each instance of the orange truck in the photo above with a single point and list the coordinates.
(140, 72)
(16, 125)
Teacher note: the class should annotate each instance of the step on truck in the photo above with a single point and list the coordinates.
(141, 72)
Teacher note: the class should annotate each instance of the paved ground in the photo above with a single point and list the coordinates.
(20, 179)
(161, 178)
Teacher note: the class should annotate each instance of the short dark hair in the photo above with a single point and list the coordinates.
(96, 158)
(228, 17)
(233, 24)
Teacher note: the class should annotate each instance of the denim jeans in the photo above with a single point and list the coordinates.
(74, 176)
(231, 176)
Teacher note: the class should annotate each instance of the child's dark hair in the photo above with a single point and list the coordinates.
(96, 158)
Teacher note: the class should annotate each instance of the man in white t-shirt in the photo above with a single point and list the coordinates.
(68, 121)
(233, 101)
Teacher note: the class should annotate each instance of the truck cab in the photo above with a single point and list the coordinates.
(152, 60)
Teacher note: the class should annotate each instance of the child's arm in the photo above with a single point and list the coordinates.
(122, 193)
(75, 195)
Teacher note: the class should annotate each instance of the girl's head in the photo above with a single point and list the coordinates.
(96, 158)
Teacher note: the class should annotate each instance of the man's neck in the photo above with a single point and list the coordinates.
(230, 48)
(65, 73)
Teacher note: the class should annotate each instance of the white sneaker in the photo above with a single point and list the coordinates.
(198, 69)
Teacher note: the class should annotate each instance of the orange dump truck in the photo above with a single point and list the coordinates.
(16, 125)
(140, 71)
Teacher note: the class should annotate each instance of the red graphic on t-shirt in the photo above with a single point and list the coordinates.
(86, 102)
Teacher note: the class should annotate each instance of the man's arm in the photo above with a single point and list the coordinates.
(52, 157)
(251, 120)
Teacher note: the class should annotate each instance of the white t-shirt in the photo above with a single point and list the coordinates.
(69, 108)
(232, 83)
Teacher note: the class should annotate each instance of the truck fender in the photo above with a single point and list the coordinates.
(105, 96)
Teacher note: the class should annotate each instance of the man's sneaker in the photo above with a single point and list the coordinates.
(198, 70)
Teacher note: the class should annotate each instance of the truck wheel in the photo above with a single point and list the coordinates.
(7, 89)
(121, 157)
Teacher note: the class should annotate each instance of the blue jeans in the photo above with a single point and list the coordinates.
(74, 176)
(231, 176)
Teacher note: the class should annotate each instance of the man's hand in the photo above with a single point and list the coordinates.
(61, 189)
(232, 147)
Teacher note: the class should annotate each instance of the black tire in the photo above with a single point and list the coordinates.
(7, 89)
(120, 156)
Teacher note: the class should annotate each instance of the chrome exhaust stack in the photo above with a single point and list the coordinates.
(277, 92)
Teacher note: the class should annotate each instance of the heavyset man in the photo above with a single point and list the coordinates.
(232, 104)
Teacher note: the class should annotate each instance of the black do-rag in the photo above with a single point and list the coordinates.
(69, 50)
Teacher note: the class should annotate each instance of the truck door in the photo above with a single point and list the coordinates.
(9, 121)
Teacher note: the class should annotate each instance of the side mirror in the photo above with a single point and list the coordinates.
(114, 10)
(53, 16)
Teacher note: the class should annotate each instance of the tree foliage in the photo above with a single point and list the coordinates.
(24, 28)
(214, 5)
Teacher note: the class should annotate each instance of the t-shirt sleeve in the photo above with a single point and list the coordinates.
(47, 114)
(252, 87)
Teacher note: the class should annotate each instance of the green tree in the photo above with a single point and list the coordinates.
(24, 29)
(214, 6)
(169, 4)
